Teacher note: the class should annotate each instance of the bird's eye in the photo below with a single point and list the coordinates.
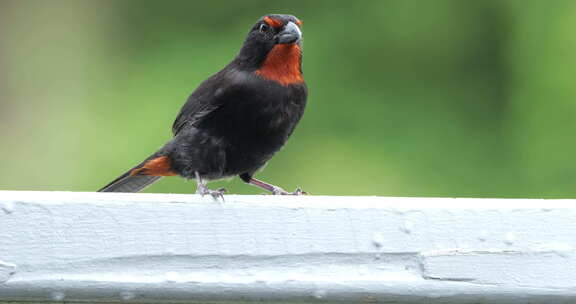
(263, 28)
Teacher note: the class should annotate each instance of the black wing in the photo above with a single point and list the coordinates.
(206, 98)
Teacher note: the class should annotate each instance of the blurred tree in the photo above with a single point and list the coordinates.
(407, 98)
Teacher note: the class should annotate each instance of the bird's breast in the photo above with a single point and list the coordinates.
(261, 113)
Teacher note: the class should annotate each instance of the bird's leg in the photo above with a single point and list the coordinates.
(202, 189)
(269, 187)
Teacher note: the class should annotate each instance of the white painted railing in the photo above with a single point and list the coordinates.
(156, 248)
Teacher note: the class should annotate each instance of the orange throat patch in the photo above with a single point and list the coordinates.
(283, 64)
(159, 166)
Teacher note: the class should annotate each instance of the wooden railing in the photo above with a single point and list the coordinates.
(163, 248)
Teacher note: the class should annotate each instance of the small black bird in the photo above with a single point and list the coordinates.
(238, 118)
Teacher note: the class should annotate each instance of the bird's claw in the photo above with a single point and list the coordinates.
(280, 191)
(219, 193)
(299, 191)
(216, 194)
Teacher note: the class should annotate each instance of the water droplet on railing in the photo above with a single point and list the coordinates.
(362, 270)
(378, 240)
(407, 227)
(172, 276)
(483, 236)
(57, 296)
(8, 207)
(7, 270)
(127, 295)
(319, 294)
(509, 238)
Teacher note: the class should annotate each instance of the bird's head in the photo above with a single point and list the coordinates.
(275, 29)
(273, 48)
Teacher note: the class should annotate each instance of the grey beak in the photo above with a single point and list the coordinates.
(290, 34)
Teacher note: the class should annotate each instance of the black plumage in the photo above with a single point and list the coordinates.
(237, 119)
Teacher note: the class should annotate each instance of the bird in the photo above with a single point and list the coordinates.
(237, 119)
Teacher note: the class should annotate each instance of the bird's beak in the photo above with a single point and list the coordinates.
(290, 34)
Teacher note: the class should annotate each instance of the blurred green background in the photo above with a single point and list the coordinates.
(407, 98)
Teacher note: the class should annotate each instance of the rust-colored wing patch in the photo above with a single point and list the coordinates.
(283, 64)
(159, 166)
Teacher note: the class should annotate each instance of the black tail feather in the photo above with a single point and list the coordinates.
(131, 183)
(128, 183)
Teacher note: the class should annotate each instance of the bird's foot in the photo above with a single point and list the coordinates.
(299, 191)
(216, 194)
(279, 191)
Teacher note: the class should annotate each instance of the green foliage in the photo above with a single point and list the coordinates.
(407, 98)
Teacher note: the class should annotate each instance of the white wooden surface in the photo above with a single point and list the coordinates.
(104, 247)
